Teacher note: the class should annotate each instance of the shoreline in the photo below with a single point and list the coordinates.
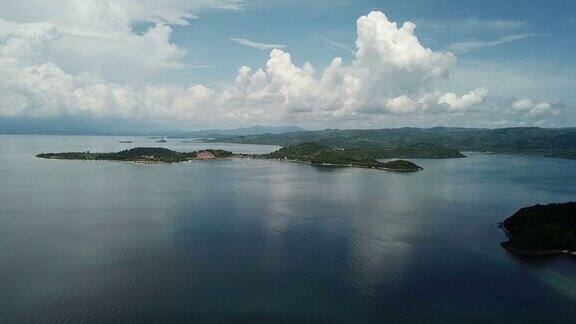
(140, 161)
(242, 157)
(343, 165)
(529, 253)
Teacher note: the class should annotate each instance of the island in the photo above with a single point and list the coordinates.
(542, 230)
(142, 155)
(308, 153)
(314, 153)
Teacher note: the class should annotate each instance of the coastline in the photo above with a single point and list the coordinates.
(529, 253)
(536, 253)
(139, 161)
(345, 165)
(241, 157)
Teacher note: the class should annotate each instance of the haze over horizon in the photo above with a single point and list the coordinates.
(233, 63)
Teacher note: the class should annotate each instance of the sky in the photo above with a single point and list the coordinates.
(317, 64)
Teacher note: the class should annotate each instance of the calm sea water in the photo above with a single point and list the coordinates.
(267, 241)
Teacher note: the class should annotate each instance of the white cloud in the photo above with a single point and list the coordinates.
(96, 37)
(93, 64)
(531, 108)
(392, 73)
(473, 45)
(400, 105)
(523, 104)
(82, 57)
(97, 14)
(473, 24)
(252, 44)
(468, 100)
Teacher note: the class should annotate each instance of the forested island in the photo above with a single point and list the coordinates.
(142, 155)
(315, 153)
(310, 153)
(542, 230)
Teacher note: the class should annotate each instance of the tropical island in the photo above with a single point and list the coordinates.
(309, 153)
(542, 230)
(141, 155)
(317, 154)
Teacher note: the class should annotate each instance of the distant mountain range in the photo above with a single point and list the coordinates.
(254, 130)
(437, 142)
(73, 126)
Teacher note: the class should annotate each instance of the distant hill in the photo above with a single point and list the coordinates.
(410, 151)
(77, 126)
(247, 131)
(559, 142)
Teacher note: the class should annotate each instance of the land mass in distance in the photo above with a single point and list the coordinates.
(310, 153)
(438, 142)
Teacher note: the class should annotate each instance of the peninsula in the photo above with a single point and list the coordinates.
(309, 153)
(542, 230)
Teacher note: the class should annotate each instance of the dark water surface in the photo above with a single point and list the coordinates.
(267, 241)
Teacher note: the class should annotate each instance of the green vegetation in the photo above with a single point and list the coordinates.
(140, 154)
(439, 142)
(413, 151)
(402, 165)
(306, 153)
(542, 228)
(319, 154)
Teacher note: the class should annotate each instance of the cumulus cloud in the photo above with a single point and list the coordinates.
(531, 108)
(392, 73)
(82, 57)
(262, 46)
(400, 105)
(90, 36)
(466, 101)
(92, 63)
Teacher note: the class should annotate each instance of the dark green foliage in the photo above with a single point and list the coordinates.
(139, 154)
(423, 151)
(320, 154)
(543, 227)
(439, 142)
(412, 151)
(402, 165)
(303, 151)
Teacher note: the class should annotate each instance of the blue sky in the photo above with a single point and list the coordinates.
(466, 63)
